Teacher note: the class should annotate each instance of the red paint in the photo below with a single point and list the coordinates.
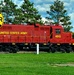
(33, 34)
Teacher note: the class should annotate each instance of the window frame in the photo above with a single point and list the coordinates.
(58, 31)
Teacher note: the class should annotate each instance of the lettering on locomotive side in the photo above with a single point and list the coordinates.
(23, 33)
(4, 32)
(58, 36)
(13, 33)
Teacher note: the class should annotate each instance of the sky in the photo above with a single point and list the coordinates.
(43, 5)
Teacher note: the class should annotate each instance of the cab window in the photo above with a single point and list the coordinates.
(58, 31)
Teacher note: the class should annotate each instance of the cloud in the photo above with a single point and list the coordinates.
(18, 2)
(43, 7)
(42, 1)
(44, 19)
(38, 1)
(46, 22)
(72, 17)
(66, 4)
(15, 1)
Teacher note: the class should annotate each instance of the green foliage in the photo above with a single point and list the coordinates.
(25, 14)
(18, 16)
(8, 11)
(29, 13)
(59, 15)
(1, 3)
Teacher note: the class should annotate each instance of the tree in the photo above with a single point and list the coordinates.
(18, 16)
(25, 14)
(8, 11)
(1, 4)
(59, 15)
(28, 13)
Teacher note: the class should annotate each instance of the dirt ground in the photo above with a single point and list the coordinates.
(71, 64)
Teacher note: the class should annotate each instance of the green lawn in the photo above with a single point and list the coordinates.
(32, 64)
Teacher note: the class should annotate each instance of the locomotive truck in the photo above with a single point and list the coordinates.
(51, 38)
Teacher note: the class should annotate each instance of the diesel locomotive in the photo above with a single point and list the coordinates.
(51, 38)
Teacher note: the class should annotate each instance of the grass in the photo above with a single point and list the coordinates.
(32, 64)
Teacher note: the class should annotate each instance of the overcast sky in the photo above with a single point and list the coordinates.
(43, 5)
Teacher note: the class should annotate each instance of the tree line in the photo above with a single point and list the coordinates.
(27, 13)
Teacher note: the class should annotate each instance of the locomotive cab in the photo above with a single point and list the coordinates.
(56, 33)
(60, 40)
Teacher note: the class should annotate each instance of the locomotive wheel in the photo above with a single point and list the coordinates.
(53, 50)
(6, 48)
(68, 49)
(73, 48)
(1, 47)
(49, 51)
(10, 49)
(62, 50)
(14, 50)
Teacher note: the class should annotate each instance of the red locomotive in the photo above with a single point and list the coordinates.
(51, 38)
